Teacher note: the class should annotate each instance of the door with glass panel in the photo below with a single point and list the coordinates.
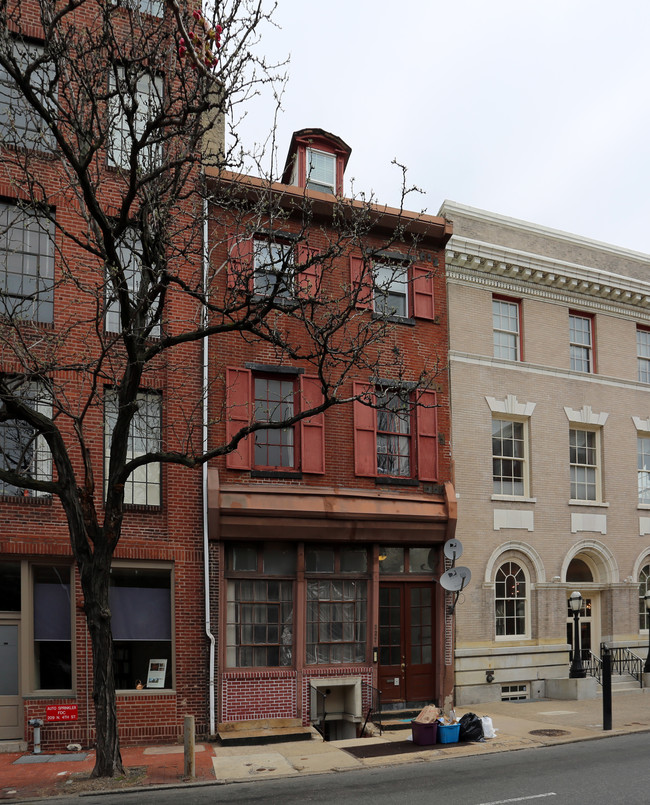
(406, 661)
(11, 722)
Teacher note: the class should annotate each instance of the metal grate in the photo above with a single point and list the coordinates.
(514, 693)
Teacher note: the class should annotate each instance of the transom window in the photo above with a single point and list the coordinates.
(510, 600)
(390, 296)
(580, 340)
(274, 402)
(643, 355)
(393, 434)
(508, 457)
(583, 456)
(26, 264)
(644, 587)
(321, 171)
(273, 268)
(396, 559)
(505, 326)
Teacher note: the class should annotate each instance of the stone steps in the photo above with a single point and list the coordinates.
(263, 731)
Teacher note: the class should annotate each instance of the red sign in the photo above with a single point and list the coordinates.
(61, 712)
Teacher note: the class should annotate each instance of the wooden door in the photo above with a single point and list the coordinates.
(406, 661)
(11, 717)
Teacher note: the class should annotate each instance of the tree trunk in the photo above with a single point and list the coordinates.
(95, 577)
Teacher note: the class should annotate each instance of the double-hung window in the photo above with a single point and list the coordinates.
(644, 587)
(393, 286)
(134, 102)
(390, 296)
(143, 486)
(321, 171)
(581, 343)
(22, 449)
(510, 600)
(20, 124)
(505, 329)
(643, 468)
(395, 434)
(130, 256)
(275, 394)
(273, 268)
(584, 458)
(509, 459)
(643, 355)
(26, 264)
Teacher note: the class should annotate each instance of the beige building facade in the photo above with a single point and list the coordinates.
(550, 397)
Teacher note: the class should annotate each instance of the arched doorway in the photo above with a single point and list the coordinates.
(581, 576)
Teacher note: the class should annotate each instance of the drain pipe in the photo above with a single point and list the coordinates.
(37, 723)
(204, 470)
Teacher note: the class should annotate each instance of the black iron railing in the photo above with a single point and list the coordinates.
(625, 661)
(372, 697)
(592, 664)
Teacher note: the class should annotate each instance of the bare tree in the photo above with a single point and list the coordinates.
(110, 116)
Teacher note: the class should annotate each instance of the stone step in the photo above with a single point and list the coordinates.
(11, 747)
(263, 731)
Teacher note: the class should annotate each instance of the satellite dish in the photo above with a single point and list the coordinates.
(453, 580)
(453, 549)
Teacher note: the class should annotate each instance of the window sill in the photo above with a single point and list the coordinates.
(512, 638)
(143, 507)
(514, 498)
(409, 322)
(27, 500)
(643, 507)
(278, 474)
(596, 503)
(50, 694)
(384, 480)
(146, 692)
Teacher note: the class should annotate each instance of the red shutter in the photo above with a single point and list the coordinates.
(423, 307)
(360, 276)
(365, 435)
(308, 278)
(312, 429)
(427, 425)
(240, 264)
(238, 414)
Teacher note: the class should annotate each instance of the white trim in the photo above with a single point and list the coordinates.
(514, 518)
(522, 547)
(510, 406)
(642, 559)
(642, 425)
(585, 416)
(603, 560)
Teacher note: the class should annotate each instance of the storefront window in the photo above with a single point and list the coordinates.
(260, 623)
(52, 643)
(336, 621)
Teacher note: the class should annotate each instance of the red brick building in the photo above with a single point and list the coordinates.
(50, 282)
(325, 535)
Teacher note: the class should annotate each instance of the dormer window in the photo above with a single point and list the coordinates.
(321, 171)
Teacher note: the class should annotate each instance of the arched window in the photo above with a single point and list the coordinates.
(644, 587)
(510, 599)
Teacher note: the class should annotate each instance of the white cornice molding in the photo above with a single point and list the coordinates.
(510, 406)
(449, 208)
(585, 416)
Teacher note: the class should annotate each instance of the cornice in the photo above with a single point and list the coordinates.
(478, 262)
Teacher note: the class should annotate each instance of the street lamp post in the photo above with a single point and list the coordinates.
(646, 598)
(576, 671)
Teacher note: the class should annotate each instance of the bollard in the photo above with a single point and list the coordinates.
(607, 686)
(37, 723)
(188, 729)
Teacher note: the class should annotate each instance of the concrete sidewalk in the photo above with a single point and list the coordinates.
(519, 725)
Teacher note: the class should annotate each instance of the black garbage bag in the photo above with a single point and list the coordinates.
(471, 728)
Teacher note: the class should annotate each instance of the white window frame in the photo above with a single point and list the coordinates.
(526, 599)
(149, 99)
(506, 338)
(644, 587)
(143, 487)
(130, 250)
(41, 460)
(523, 461)
(320, 181)
(643, 355)
(391, 290)
(643, 468)
(581, 350)
(593, 468)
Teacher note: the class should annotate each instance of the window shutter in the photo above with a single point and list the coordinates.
(365, 435)
(423, 307)
(360, 280)
(240, 264)
(312, 429)
(427, 425)
(309, 278)
(238, 414)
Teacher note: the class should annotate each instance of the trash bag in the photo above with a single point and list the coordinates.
(471, 728)
(489, 730)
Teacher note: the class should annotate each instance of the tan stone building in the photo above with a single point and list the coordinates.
(550, 378)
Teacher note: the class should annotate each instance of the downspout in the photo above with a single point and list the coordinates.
(204, 470)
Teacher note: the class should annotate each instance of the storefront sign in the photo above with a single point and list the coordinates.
(61, 712)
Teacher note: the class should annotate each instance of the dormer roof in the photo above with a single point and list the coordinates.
(295, 168)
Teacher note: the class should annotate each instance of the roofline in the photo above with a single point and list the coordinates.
(433, 226)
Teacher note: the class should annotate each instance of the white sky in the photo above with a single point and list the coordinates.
(536, 110)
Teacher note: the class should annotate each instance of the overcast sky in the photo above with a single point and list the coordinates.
(535, 110)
